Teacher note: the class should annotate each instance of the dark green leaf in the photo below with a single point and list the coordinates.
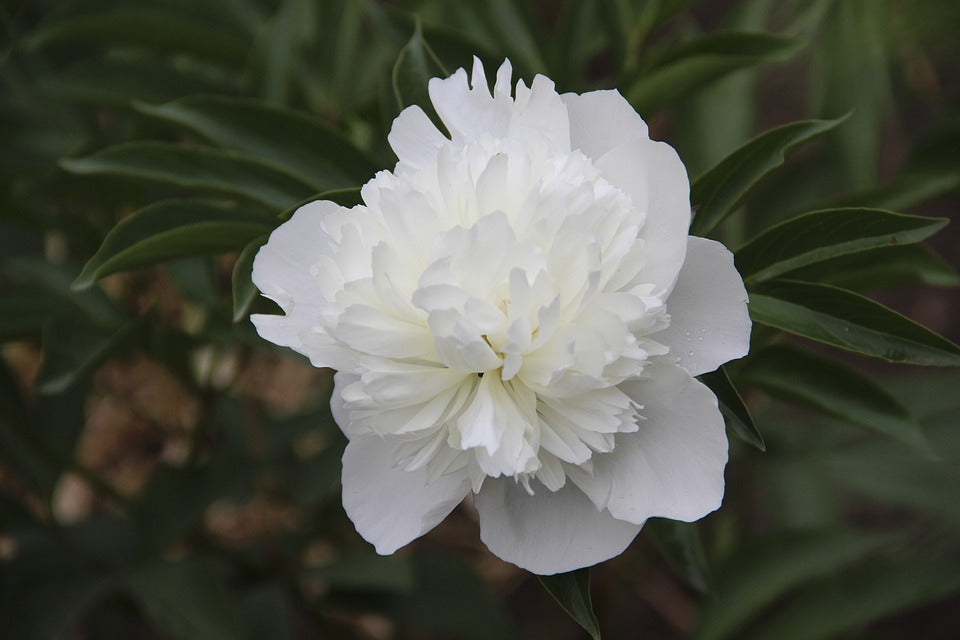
(116, 82)
(850, 71)
(821, 235)
(878, 589)
(903, 192)
(572, 591)
(735, 413)
(450, 601)
(195, 168)
(849, 321)
(268, 613)
(366, 573)
(760, 573)
(244, 291)
(175, 499)
(186, 600)
(416, 64)
(882, 268)
(172, 229)
(720, 189)
(681, 546)
(151, 27)
(55, 281)
(72, 347)
(24, 309)
(835, 389)
(289, 139)
(695, 64)
(884, 472)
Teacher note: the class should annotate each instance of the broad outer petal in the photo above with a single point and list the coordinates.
(602, 120)
(654, 177)
(672, 466)
(709, 321)
(548, 532)
(389, 506)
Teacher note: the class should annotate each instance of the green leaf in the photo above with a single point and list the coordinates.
(884, 472)
(55, 281)
(821, 235)
(849, 321)
(195, 168)
(572, 591)
(881, 268)
(903, 191)
(24, 309)
(834, 389)
(735, 413)
(154, 28)
(720, 190)
(187, 600)
(416, 64)
(681, 546)
(244, 291)
(878, 589)
(172, 229)
(450, 601)
(175, 499)
(694, 65)
(850, 71)
(760, 573)
(117, 81)
(72, 347)
(366, 573)
(291, 140)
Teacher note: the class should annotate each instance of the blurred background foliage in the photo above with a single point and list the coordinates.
(165, 474)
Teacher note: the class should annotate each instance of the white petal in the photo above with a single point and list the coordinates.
(341, 381)
(709, 321)
(602, 120)
(548, 532)
(652, 174)
(389, 506)
(414, 139)
(672, 466)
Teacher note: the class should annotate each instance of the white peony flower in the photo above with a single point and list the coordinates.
(516, 311)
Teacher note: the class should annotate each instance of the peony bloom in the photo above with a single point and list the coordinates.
(516, 311)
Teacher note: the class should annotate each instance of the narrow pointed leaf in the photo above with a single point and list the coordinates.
(172, 229)
(416, 64)
(849, 321)
(291, 140)
(196, 169)
(735, 413)
(875, 590)
(694, 65)
(187, 600)
(572, 591)
(821, 235)
(72, 348)
(154, 28)
(762, 572)
(244, 291)
(835, 389)
(881, 268)
(115, 82)
(717, 192)
(681, 546)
